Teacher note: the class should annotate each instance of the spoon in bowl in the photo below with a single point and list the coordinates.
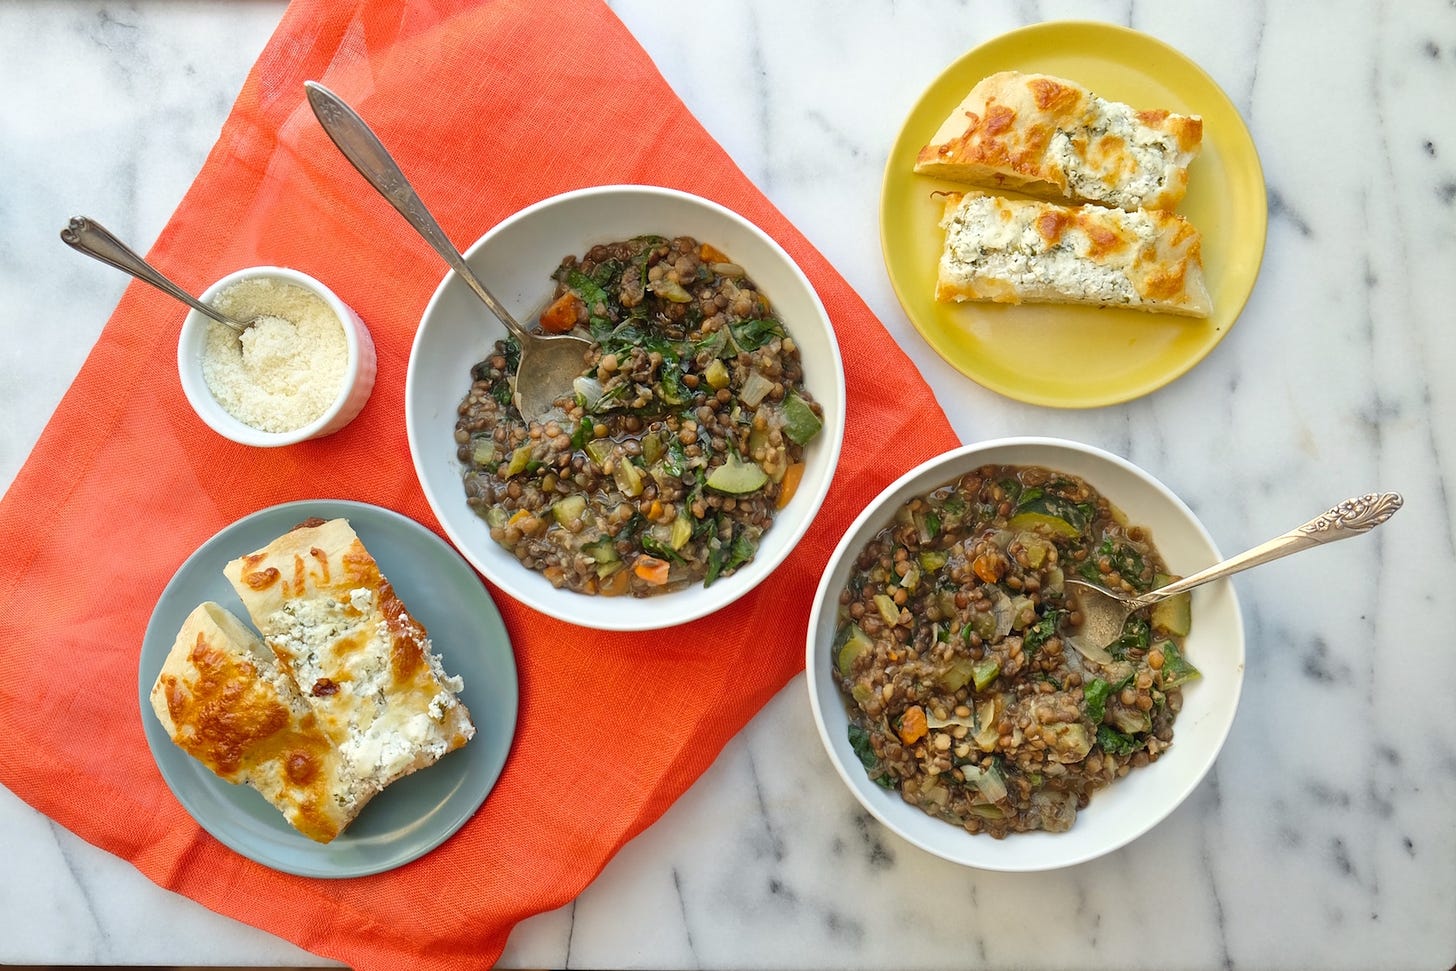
(87, 236)
(1104, 613)
(549, 362)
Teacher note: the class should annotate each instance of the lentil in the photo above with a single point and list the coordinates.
(666, 465)
(974, 571)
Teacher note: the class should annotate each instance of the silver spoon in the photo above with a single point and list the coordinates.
(87, 236)
(549, 362)
(1104, 613)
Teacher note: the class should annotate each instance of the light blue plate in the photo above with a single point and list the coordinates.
(415, 814)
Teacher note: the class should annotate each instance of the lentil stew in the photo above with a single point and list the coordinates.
(684, 433)
(963, 692)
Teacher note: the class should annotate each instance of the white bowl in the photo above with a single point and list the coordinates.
(354, 391)
(516, 260)
(1131, 805)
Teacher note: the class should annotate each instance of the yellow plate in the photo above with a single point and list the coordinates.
(1081, 357)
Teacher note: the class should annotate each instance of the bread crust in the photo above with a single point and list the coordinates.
(223, 700)
(1052, 138)
(341, 696)
(1027, 251)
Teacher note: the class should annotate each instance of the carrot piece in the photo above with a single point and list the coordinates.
(615, 584)
(790, 483)
(651, 569)
(987, 568)
(561, 315)
(912, 726)
(711, 254)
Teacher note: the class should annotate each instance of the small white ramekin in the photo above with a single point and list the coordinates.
(354, 390)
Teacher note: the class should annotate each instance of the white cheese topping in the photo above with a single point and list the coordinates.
(983, 243)
(1139, 164)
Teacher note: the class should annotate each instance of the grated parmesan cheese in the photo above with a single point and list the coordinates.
(285, 370)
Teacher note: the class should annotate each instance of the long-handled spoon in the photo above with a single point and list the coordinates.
(1104, 613)
(87, 236)
(549, 362)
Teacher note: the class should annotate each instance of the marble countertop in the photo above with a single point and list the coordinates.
(1325, 834)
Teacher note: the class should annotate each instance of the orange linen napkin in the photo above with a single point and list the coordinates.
(489, 107)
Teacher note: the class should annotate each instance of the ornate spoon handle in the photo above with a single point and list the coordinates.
(1350, 518)
(367, 153)
(90, 237)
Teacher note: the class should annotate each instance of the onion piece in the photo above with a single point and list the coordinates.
(1090, 651)
(1004, 612)
(589, 390)
(755, 388)
(987, 781)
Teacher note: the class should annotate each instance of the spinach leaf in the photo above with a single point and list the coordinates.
(671, 389)
(651, 544)
(859, 740)
(714, 344)
(1136, 634)
(608, 273)
(1096, 692)
(511, 351)
(1114, 742)
(582, 434)
(675, 461)
(1094, 697)
(750, 335)
(588, 289)
(1042, 631)
(745, 544)
(953, 510)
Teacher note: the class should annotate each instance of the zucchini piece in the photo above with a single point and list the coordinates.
(800, 422)
(889, 610)
(716, 375)
(520, 459)
(958, 674)
(483, 451)
(653, 448)
(599, 450)
(737, 477)
(569, 510)
(1176, 670)
(604, 551)
(1128, 720)
(628, 477)
(1174, 615)
(1036, 548)
(932, 560)
(855, 643)
(682, 529)
(1032, 519)
(984, 672)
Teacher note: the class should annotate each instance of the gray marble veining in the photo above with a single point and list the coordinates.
(1324, 836)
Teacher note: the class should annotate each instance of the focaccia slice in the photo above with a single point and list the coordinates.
(223, 700)
(1052, 138)
(1023, 251)
(363, 662)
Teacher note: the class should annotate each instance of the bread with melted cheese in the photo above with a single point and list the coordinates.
(1026, 251)
(363, 662)
(1052, 138)
(223, 699)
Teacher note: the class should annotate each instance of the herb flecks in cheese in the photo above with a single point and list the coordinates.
(1018, 251)
(1053, 138)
